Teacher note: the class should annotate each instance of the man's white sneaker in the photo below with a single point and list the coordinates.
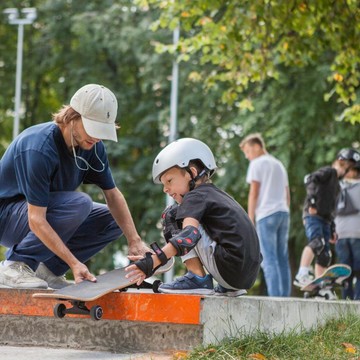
(20, 276)
(55, 282)
(303, 280)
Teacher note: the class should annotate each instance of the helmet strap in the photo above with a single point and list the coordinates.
(193, 180)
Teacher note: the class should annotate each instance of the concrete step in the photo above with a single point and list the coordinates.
(138, 321)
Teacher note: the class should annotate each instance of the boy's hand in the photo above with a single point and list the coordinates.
(141, 269)
(334, 238)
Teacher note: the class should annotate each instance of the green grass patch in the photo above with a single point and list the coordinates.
(337, 339)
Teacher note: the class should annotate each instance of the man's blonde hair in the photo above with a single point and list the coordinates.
(253, 139)
(65, 115)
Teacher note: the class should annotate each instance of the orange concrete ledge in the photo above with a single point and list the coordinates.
(136, 306)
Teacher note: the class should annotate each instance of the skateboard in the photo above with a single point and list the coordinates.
(335, 275)
(79, 294)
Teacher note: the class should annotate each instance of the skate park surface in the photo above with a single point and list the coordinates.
(137, 323)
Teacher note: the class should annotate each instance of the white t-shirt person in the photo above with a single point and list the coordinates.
(273, 179)
(268, 204)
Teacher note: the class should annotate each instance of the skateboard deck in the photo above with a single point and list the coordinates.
(334, 275)
(86, 290)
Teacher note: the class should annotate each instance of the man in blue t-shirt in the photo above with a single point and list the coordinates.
(47, 225)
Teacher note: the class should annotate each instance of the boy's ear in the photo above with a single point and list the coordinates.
(194, 171)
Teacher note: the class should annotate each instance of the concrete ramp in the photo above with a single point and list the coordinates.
(138, 321)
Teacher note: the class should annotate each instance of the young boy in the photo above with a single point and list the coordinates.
(207, 227)
(322, 190)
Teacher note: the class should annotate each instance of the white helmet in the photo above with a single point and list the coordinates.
(180, 153)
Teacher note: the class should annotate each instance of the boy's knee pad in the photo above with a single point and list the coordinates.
(317, 245)
(324, 258)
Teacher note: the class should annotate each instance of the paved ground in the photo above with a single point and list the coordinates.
(34, 353)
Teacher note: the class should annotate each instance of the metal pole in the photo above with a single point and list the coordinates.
(173, 122)
(174, 91)
(29, 15)
(18, 79)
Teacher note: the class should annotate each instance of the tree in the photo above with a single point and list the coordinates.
(248, 42)
(109, 42)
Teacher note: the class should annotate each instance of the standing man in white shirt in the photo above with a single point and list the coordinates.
(268, 208)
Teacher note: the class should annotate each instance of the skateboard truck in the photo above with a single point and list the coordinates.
(78, 308)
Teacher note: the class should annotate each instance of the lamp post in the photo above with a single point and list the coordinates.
(173, 121)
(29, 15)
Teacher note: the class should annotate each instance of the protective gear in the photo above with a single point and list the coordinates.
(180, 153)
(350, 154)
(146, 264)
(324, 258)
(160, 254)
(171, 227)
(317, 245)
(185, 240)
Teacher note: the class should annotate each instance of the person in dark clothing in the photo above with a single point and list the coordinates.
(207, 227)
(47, 225)
(322, 190)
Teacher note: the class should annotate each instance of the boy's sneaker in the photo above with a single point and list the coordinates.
(303, 280)
(20, 276)
(221, 291)
(189, 284)
(54, 282)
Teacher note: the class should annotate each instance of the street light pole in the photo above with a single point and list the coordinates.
(173, 121)
(14, 19)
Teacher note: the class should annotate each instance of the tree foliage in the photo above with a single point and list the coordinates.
(245, 71)
(248, 42)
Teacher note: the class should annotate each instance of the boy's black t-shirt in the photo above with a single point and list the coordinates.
(322, 190)
(237, 254)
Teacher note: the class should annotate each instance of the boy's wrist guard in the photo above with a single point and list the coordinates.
(159, 253)
(185, 240)
(146, 264)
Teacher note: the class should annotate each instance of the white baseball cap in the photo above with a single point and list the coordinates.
(97, 106)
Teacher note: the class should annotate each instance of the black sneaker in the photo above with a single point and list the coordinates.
(189, 284)
(221, 291)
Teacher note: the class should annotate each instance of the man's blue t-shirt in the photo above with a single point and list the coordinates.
(38, 162)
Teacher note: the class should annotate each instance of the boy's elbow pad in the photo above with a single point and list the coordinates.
(185, 240)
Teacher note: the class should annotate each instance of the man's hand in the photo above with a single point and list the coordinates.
(81, 273)
(138, 248)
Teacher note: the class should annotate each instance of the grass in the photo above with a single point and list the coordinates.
(337, 339)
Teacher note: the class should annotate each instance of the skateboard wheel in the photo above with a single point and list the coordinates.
(96, 312)
(59, 311)
(155, 286)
